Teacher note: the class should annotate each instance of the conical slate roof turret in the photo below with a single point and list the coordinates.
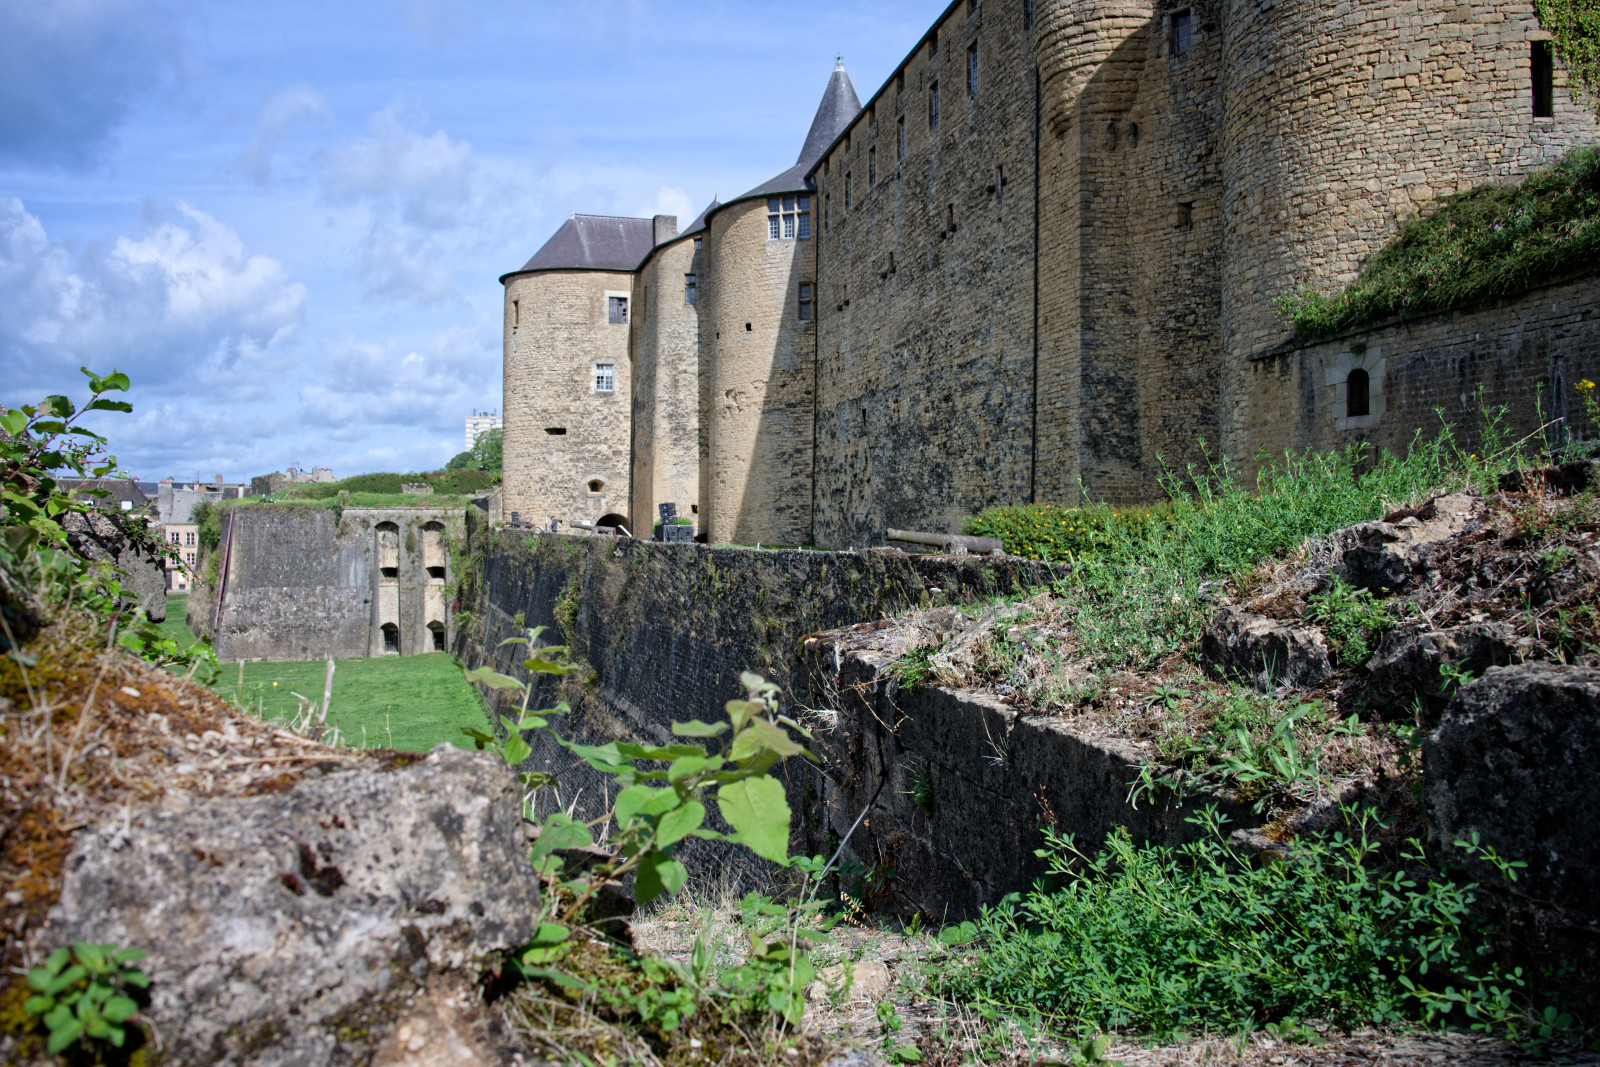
(839, 107)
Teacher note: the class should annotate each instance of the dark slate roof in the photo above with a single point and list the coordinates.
(700, 223)
(839, 106)
(594, 242)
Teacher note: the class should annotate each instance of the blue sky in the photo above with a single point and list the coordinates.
(286, 220)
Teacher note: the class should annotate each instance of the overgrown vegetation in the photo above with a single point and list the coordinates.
(1352, 619)
(589, 999)
(1162, 940)
(1474, 247)
(484, 455)
(452, 483)
(1576, 26)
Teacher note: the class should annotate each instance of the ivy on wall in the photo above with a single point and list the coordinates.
(1576, 26)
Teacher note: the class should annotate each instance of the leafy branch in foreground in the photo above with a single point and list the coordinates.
(662, 799)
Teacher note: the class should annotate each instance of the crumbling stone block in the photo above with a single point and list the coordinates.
(1265, 652)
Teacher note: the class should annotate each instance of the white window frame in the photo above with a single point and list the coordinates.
(605, 378)
(789, 217)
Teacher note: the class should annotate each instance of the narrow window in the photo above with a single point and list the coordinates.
(805, 301)
(688, 289)
(391, 638)
(1182, 31)
(872, 167)
(803, 227)
(1027, 14)
(1000, 185)
(516, 313)
(189, 558)
(774, 207)
(933, 106)
(1543, 81)
(176, 538)
(972, 70)
(188, 539)
(617, 309)
(1357, 394)
(933, 44)
(950, 218)
(827, 209)
(972, 8)
(899, 84)
(847, 190)
(699, 243)
(605, 377)
(900, 141)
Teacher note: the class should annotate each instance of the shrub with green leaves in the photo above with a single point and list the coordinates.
(1163, 940)
(1471, 248)
(1352, 619)
(1576, 27)
(83, 992)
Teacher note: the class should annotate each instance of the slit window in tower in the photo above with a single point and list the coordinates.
(688, 288)
(1185, 215)
(972, 71)
(900, 141)
(1182, 31)
(1027, 14)
(516, 313)
(1543, 81)
(933, 106)
(617, 309)
(872, 167)
(605, 377)
(847, 190)
(805, 301)
(933, 44)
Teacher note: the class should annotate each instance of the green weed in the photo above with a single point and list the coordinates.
(1352, 619)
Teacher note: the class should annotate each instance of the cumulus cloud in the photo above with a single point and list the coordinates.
(71, 70)
(273, 125)
(183, 306)
(426, 178)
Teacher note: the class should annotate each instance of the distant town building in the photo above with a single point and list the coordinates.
(478, 425)
(175, 504)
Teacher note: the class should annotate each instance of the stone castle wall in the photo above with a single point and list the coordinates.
(310, 582)
(556, 330)
(759, 358)
(1525, 354)
(925, 345)
(665, 383)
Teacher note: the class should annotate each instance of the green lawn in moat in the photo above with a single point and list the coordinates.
(410, 703)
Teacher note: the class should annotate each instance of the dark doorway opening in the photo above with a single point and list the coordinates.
(1357, 394)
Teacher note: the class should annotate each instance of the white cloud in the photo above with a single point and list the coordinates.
(670, 200)
(426, 178)
(279, 114)
(182, 307)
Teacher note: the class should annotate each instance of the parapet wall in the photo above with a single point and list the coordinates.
(1525, 354)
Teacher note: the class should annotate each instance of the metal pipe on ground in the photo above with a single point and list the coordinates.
(983, 546)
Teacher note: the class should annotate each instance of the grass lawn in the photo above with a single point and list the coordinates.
(411, 703)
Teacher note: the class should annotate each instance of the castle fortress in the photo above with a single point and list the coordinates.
(1042, 262)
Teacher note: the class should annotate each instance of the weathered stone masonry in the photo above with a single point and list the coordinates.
(1045, 259)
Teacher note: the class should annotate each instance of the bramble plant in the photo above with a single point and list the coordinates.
(82, 992)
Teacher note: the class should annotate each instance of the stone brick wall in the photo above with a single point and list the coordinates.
(1526, 354)
(665, 382)
(759, 358)
(308, 582)
(555, 331)
(926, 284)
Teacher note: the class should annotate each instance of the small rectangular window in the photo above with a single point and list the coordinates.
(605, 377)
(699, 243)
(516, 312)
(972, 70)
(188, 558)
(1027, 14)
(899, 83)
(933, 44)
(804, 228)
(617, 309)
(188, 539)
(772, 227)
(872, 167)
(1543, 81)
(847, 190)
(827, 210)
(788, 226)
(805, 301)
(688, 289)
(900, 141)
(1182, 31)
(933, 106)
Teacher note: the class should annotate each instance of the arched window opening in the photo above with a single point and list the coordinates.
(434, 552)
(388, 550)
(1357, 394)
(391, 639)
(597, 486)
(436, 634)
